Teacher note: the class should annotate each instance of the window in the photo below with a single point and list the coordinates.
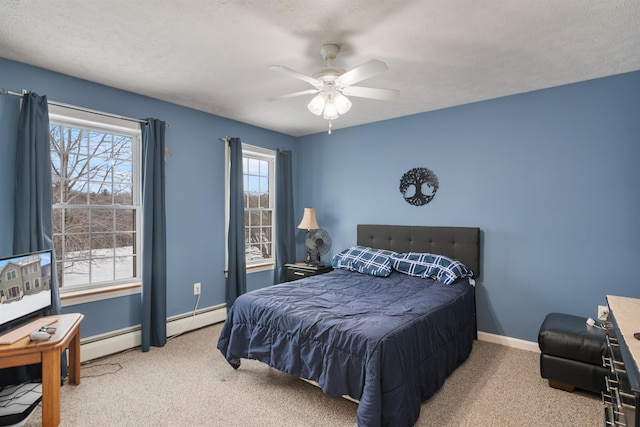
(258, 166)
(96, 199)
(258, 206)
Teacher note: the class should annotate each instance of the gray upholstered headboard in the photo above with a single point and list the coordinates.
(461, 243)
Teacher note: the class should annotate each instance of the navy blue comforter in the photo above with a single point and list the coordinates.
(388, 342)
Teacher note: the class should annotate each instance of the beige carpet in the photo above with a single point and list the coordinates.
(188, 383)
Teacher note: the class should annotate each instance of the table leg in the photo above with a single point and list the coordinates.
(51, 388)
(74, 358)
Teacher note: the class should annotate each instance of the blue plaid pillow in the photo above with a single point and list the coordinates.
(438, 267)
(375, 262)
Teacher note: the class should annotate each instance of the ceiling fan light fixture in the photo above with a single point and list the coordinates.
(333, 85)
(316, 106)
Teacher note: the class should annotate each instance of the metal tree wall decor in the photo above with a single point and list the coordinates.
(418, 186)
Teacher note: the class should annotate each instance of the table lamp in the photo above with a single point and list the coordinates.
(309, 223)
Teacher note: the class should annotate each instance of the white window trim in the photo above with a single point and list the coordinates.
(260, 152)
(84, 296)
(63, 114)
(115, 289)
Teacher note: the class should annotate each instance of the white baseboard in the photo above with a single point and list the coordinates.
(509, 342)
(124, 339)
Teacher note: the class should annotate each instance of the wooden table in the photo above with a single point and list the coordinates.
(26, 352)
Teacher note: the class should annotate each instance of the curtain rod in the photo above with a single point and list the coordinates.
(4, 91)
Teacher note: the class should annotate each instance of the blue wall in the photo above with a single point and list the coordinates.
(551, 177)
(194, 191)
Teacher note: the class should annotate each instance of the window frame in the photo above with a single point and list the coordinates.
(268, 155)
(77, 294)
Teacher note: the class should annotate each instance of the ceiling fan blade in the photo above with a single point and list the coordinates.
(294, 94)
(296, 74)
(371, 92)
(362, 72)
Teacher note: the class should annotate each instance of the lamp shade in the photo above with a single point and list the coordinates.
(330, 110)
(309, 220)
(316, 106)
(342, 103)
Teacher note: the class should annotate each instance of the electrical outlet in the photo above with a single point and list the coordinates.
(196, 288)
(603, 312)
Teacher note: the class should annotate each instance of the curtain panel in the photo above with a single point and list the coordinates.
(285, 231)
(237, 268)
(154, 246)
(33, 216)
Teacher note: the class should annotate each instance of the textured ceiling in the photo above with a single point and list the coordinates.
(213, 55)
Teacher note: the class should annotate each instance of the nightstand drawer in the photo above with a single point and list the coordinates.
(298, 274)
(302, 270)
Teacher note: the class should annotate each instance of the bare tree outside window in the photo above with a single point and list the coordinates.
(258, 208)
(95, 206)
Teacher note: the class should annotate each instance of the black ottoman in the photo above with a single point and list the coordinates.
(571, 353)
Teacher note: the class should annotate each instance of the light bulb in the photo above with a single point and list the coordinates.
(342, 103)
(317, 104)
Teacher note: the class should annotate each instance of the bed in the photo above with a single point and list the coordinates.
(386, 342)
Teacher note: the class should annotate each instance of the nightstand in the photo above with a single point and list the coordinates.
(301, 269)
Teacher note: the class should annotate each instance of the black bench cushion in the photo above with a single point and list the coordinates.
(569, 336)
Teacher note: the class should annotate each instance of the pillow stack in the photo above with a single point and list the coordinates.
(380, 262)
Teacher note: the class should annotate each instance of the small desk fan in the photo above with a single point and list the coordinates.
(317, 241)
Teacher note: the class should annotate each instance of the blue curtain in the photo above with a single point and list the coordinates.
(33, 217)
(154, 245)
(285, 237)
(237, 269)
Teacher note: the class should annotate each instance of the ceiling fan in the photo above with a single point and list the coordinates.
(332, 85)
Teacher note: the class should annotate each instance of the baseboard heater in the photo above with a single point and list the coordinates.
(102, 345)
